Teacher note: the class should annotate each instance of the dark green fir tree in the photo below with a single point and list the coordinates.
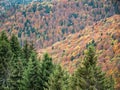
(5, 59)
(16, 64)
(26, 51)
(15, 46)
(4, 37)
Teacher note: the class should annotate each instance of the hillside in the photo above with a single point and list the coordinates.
(48, 22)
(64, 29)
(105, 35)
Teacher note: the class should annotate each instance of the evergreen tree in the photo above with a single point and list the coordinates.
(5, 58)
(32, 47)
(4, 37)
(116, 4)
(27, 74)
(90, 76)
(15, 46)
(32, 73)
(46, 70)
(26, 52)
(36, 73)
(58, 80)
(16, 64)
(16, 73)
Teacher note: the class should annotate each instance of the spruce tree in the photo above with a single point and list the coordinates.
(16, 73)
(46, 70)
(32, 46)
(4, 37)
(89, 76)
(15, 46)
(5, 58)
(26, 50)
(26, 53)
(27, 74)
(58, 80)
(32, 73)
(16, 64)
(36, 72)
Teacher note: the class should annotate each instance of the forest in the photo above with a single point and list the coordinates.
(59, 44)
(20, 69)
(45, 23)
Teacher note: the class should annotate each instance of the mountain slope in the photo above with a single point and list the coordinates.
(64, 28)
(48, 22)
(105, 35)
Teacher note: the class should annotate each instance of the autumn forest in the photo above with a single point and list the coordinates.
(59, 44)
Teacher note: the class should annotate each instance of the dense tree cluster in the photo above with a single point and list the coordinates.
(48, 22)
(21, 70)
(89, 76)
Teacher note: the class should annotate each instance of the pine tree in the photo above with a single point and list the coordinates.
(58, 80)
(90, 76)
(5, 58)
